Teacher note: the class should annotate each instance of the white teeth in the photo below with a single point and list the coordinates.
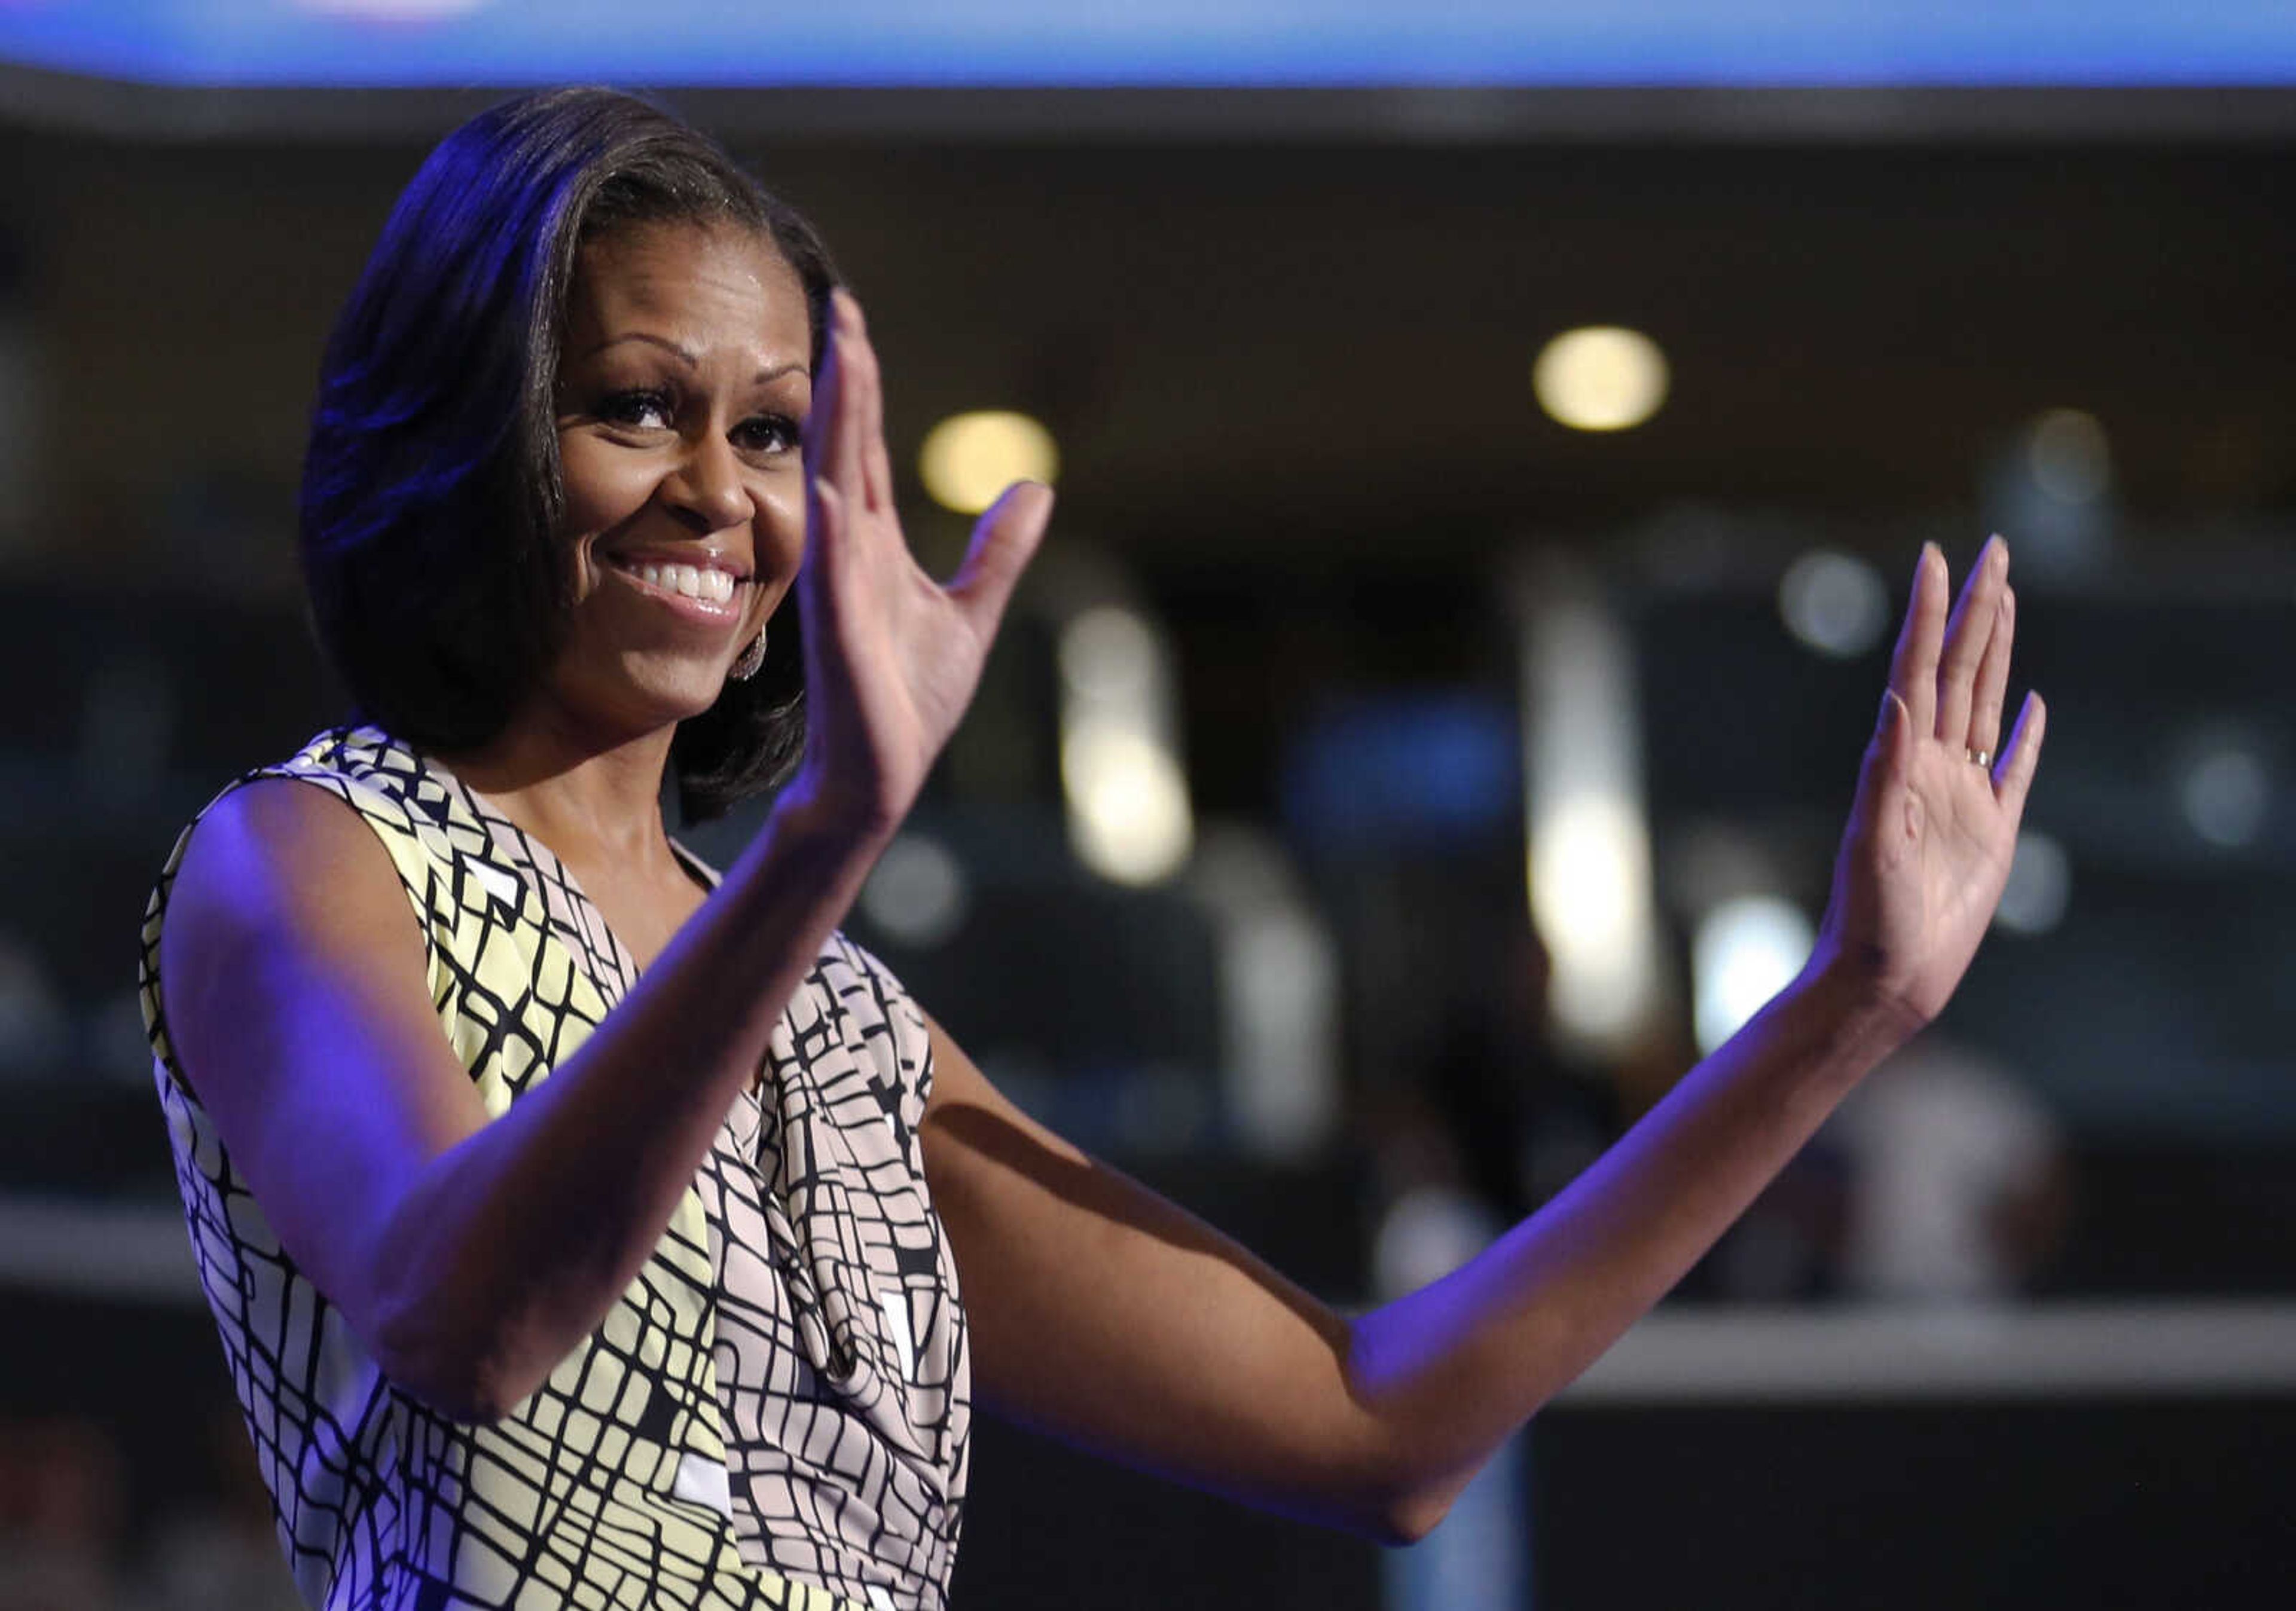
(710, 585)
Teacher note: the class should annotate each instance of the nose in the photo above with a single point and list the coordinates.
(705, 488)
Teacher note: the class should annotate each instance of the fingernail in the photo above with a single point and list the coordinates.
(1891, 706)
(1927, 549)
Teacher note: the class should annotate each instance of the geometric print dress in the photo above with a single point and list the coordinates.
(776, 1414)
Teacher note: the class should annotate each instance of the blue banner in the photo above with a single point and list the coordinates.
(1158, 43)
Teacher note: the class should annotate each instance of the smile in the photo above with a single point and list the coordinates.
(702, 585)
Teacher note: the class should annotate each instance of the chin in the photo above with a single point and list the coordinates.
(672, 702)
(632, 700)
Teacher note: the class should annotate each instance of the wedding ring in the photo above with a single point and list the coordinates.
(1980, 757)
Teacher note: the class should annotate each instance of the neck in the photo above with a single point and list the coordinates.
(586, 796)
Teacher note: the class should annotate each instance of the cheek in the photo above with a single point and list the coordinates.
(603, 487)
(778, 532)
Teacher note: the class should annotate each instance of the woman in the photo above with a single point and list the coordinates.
(594, 1238)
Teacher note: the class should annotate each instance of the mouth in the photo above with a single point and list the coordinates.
(711, 586)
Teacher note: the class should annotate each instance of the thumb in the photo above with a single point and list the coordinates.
(1889, 756)
(1004, 541)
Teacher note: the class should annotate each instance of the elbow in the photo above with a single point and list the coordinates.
(1402, 1488)
(446, 1369)
(1389, 1507)
(468, 1399)
(447, 1338)
(458, 1390)
(1403, 1520)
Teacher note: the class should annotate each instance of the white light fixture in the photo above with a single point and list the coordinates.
(1589, 883)
(1128, 815)
(1588, 861)
(1744, 952)
(1600, 377)
(1109, 654)
(969, 460)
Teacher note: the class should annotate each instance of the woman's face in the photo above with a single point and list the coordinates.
(682, 385)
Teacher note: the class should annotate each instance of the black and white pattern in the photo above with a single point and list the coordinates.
(776, 1414)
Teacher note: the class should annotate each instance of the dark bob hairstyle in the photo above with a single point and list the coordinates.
(431, 488)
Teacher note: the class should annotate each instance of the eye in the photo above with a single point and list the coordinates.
(766, 434)
(639, 409)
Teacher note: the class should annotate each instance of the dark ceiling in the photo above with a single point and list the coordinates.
(1271, 347)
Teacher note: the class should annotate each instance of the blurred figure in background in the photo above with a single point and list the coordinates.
(1957, 1185)
(1496, 1126)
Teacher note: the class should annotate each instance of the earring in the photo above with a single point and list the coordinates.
(753, 657)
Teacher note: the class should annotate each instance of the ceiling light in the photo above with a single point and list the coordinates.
(1600, 378)
(969, 460)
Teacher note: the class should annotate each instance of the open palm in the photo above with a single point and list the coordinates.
(892, 656)
(1934, 825)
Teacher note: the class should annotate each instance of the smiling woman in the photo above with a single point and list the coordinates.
(555, 500)
(436, 485)
(687, 372)
(593, 1238)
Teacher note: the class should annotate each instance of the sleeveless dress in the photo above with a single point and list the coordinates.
(776, 1412)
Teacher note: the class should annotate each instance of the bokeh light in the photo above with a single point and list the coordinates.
(1743, 953)
(1836, 603)
(2040, 885)
(1602, 377)
(969, 460)
(2067, 452)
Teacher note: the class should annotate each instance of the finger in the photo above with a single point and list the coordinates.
(820, 435)
(1883, 769)
(1889, 755)
(1965, 638)
(825, 518)
(1912, 669)
(1004, 541)
(2013, 774)
(1993, 679)
(833, 438)
(843, 475)
(876, 482)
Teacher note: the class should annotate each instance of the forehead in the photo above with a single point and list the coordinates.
(701, 286)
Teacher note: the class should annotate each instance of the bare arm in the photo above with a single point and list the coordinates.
(472, 1256)
(1106, 1315)
(469, 1256)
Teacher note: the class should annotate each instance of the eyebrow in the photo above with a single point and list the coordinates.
(687, 356)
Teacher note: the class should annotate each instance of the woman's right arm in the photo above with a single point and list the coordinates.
(469, 1255)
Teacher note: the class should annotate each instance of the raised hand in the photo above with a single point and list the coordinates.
(891, 656)
(1940, 796)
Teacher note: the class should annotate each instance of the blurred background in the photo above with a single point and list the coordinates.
(1493, 444)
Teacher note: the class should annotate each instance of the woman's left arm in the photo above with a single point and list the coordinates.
(1106, 1315)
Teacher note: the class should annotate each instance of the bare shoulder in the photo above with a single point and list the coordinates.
(294, 983)
(292, 969)
(278, 860)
